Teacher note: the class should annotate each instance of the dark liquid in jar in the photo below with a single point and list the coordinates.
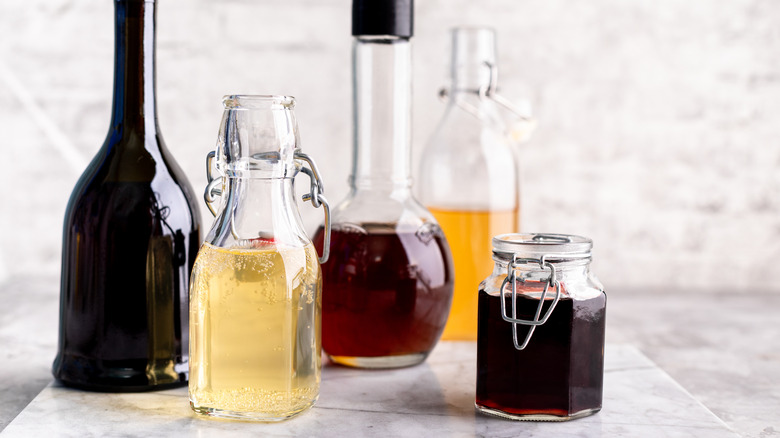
(385, 292)
(561, 370)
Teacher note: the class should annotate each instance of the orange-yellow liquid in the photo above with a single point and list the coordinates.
(469, 234)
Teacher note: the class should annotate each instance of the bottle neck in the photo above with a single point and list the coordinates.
(134, 108)
(473, 59)
(382, 109)
(470, 78)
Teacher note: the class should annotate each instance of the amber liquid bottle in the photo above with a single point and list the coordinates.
(469, 173)
(387, 286)
(130, 237)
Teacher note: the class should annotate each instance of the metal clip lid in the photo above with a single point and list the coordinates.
(554, 247)
(544, 250)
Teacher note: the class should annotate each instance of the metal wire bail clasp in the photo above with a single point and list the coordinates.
(536, 321)
(213, 189)
(521, 131)
(489, 91)
(317, 197)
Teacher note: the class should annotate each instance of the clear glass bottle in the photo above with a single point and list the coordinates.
(131, 233)
(469, 171)
(388, 286)
(255, 305)
(540, 347)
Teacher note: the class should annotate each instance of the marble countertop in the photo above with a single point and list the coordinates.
(432, 399)
(721, 348)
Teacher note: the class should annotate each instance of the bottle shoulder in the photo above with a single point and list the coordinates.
(125, 175)
(365, 207)
(465, 138)
(134, 158)
(467, 168)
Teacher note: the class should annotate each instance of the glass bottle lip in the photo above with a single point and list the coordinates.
(553, 247)
(473, 29)
(257, 101)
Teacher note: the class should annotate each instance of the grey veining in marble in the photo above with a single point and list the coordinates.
(28, 337)
(434, 399)
(722, 347)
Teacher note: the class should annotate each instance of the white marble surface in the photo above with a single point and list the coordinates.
(720, 346)
(433, 399)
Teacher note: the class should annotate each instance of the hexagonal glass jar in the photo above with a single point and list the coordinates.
(540, 342)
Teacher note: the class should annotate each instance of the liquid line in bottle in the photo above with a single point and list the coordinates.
(469, 235)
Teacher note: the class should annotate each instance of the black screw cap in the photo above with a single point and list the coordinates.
(383, 17)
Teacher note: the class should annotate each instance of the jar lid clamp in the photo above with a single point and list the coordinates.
(539, 249)
(510, 276)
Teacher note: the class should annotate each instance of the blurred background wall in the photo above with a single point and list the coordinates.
(658, 136)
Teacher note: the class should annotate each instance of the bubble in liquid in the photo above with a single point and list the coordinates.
(252, 356)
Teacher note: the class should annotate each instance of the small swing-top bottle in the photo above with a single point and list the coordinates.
(255, 294)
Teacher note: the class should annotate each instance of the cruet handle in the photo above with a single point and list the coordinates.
(317, 197)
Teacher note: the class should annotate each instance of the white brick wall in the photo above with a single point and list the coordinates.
(657, 132)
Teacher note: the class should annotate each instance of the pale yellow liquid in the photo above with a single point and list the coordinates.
(255, 331)
(469, 234)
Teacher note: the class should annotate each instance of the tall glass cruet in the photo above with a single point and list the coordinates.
(388, 285)
(255, 294)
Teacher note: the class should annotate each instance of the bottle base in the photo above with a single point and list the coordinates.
(107, 387)
(534, 416)
(132, 375)
(262, 417)
(400, 361)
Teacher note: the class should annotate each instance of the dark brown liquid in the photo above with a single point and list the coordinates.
(559, 373)
(384, 293)
(130, 238)
(125, 275)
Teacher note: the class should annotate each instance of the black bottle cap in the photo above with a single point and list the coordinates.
(382, 17)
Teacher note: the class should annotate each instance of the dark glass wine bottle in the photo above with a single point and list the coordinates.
(131, 234)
